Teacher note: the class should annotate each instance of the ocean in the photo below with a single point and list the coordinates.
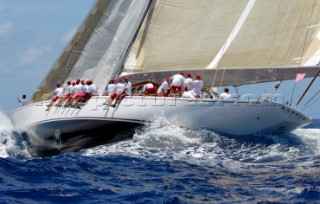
(165, 163)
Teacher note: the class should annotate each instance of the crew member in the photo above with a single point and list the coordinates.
(177, 83)
(164, 89)
(57, 93)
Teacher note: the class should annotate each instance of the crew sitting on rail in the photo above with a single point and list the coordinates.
(57, 93)
(67, 91)
(92, 90)
(72, 92)
(120, 87)
(164, 89)
(80, 91)
(126, 90)
(111, 92)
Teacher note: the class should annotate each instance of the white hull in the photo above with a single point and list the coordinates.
(229, 117)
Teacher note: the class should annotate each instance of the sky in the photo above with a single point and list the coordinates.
(33, 34)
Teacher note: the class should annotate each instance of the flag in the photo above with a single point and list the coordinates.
(300, 76)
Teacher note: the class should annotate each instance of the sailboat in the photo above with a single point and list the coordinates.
(229, 43)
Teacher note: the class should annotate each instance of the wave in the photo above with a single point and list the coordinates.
(164, 139)
(11, 144)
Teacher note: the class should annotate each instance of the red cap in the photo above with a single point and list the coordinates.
(58, 84)
(182, 73)
(120, 80)
(112, 81)
(73, 83)
(126, 79)
(82, 81)
(78, 81)
(189, 74)
(69, 82)
(198, 76)
(168, 79)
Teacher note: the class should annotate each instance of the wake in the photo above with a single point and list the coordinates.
(164, 139)
(11, 145)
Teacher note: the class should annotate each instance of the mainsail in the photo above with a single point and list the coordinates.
(188, 34)
(231, 42)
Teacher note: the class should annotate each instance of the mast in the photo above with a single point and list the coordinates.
(304, 93)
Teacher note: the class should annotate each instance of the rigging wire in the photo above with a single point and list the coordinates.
(308, 106)
(303, 49)
(294, 87)
(311, 98)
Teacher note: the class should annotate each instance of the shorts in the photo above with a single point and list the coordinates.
(175, 88)
(55, 98)
(151, 90)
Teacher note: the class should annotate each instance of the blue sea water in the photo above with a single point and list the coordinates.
(164, 163)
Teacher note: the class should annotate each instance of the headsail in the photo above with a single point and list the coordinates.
(98, 49)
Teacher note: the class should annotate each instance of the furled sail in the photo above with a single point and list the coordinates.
(218, 34)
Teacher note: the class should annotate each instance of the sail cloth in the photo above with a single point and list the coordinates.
(188, 34)
(98, 49)
(191, 35)
(104, 53)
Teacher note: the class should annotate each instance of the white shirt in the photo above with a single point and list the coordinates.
(72, 89)
(58, 92)
(23, 102)
(93, 89)
(177, 80)
(224, 96)
(77, 88)
(189, 94)
(128, 87)
(67, 89)
(120, 88)
(164, 86)
(188, 84)
(83, 88)
(111, 88)
(197, 86)
(147, 86)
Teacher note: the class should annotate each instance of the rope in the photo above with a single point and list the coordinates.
(311, 98)
(216, 72)
(224, 70)
(310, 104)
(294, 86)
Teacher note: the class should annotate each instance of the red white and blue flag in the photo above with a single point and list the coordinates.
(300, 76)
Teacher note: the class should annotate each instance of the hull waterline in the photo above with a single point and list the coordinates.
(62, 129)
